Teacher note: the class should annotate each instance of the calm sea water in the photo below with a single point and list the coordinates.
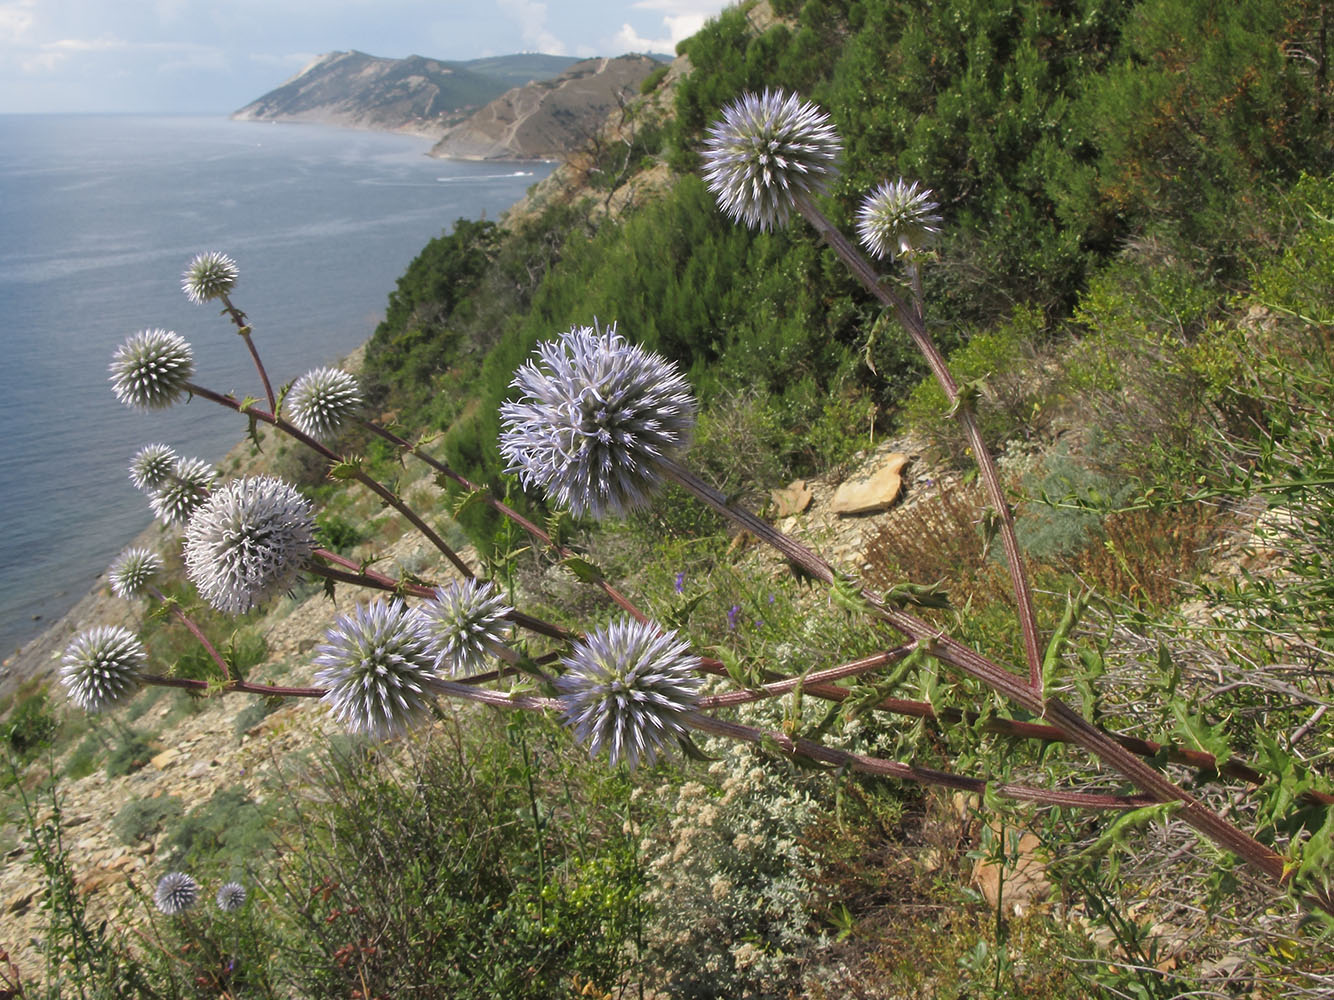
(98, 216)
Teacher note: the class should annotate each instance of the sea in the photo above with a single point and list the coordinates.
(98, 217)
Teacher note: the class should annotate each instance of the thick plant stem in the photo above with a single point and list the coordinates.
(972, 663)
(243, 328)
(911, 319)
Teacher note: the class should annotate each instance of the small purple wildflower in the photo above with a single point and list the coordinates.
(680, 585)
(732, 613)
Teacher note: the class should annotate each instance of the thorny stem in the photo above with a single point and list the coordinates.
(243, 328)
(912, 320)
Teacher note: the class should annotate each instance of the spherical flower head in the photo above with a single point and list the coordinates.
(897, 218)
(152, 466)
(184, 492)
(210, 275)
(379, 670)
(231, 897)
(767, 149)
(101, 666)
(464, 624)
(626, 687)
(176, 892)
(597, 420)
(247, 542)
(322, 401)
(131, 573)
(150, 370)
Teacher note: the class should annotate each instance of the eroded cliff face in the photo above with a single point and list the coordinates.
(551, 118)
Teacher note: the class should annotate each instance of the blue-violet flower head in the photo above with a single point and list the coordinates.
(184, 492)
(231, 897)
(151, 369)
(209, 275)
(100, 667)
(626, 687)
(322, 400)
(897, 218)
(247, 542)
(596, 422)
(767, 149)
(176, 892)
(152, 466)
(379, 670)
(464, 624)
(131, 573)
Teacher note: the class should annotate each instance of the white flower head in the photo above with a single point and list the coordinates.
(897, 218)
(184, 491)
(767, 149)
(101, 667)
(176, 892)
(133, 571)
(322, 400)
(465, 624)
(379, 670)
(231, 897)
(152, 466)
(626, 687)
(209, 275)
(247, 542)
(597, 418)
(151, 370)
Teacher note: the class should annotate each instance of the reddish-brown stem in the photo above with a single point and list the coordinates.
(243, 687)
(912, 321)
(243, 328)
(189, 623)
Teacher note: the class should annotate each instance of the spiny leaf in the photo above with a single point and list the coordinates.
(1201, 734)
(921, 595)
(1051, 660)
(463, 502)
(583, 569)
(692, 751)
(348, 468)
(967, 397)
(847, 594)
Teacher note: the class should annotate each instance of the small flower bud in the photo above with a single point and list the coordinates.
(131, 573)
(897, 218)
(176, 892)
(208, 276)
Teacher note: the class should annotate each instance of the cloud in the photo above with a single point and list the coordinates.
(531, 17)
(16, 20)
(167, 56)
(677, 27)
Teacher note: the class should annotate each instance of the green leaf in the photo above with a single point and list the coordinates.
(583, 569)
(348, 468)
(921, 595)
(463, 502)
(847, 594)
(1051, 660)
(1202, 735)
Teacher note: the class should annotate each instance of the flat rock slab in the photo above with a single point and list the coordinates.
(793, 498)
(872, 487)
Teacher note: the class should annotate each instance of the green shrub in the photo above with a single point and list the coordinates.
(130, 751)
(229, 830)
(650, 82)
(83, 760)
(140, 819)
(30, 726)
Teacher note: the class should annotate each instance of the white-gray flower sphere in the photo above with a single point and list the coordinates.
(379, 670)
(176, 892)
(101, 667)
(597, 418)
(767, 149)
(150, 370)
(626, 688)
(896, 218)
(131, 573)
(247, 542)
(184, 492)
(152, 466)
(465, 624)
(209, 275)
(231, 897)
(322, 400)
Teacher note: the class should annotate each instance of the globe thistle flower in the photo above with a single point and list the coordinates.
(896, 218)
(322, 400)
(626, 688)
(176, 892)
(100, 667)
(464, 624)
(131, 573)
(184, 493)
(765, 151)
(231, 897)
(208, 276)
(597, 418)
(152, 466)
(150, 370)
(379, 670)
(247, 542)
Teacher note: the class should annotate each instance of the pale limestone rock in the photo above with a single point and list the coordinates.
(793, 498)
(871, 489)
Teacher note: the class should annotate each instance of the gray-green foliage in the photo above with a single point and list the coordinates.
(140, 819)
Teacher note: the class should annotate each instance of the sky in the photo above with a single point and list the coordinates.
(210, 56)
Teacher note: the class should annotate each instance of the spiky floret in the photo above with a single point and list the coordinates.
(210, 275)
(896, 218)
(231, 897)
(184, 492)
(150, 370)
(322, 400)
(626, 687)
(465, 624)
(767, 149)
(379, 670)
(597, 418)
(176, 892)
(131, 573)
(247, 542)
(152, 466)
(100, 667)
